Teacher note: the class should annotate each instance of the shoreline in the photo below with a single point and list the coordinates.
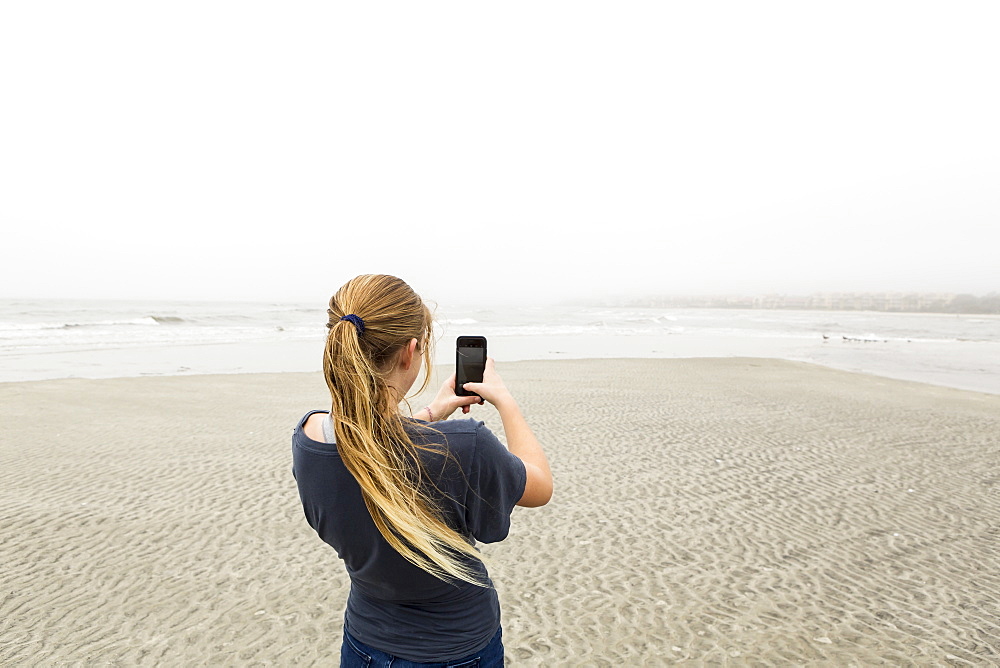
(253, 358)
(191, 339)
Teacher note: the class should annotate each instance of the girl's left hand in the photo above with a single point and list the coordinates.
(447, 402)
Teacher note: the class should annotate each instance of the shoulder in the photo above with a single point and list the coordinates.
(464, 426)
(452, 433)
(469, 441)
(308, 433)
(476, 444)
(305, 418)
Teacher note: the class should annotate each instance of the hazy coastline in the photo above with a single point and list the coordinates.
(882, 302)
(47, 339)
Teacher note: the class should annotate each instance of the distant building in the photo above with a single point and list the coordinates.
(901, 302)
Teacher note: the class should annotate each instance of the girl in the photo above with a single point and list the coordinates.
(404, 500)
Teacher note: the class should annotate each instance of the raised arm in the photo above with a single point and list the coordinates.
(521, 440)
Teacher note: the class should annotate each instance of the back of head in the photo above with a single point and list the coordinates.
(372, 319)
(390, 315)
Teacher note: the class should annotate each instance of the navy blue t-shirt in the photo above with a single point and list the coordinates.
(395, 606)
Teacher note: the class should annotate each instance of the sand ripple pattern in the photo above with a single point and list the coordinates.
(708, 512)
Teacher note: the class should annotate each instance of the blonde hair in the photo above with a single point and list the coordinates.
(371, 438)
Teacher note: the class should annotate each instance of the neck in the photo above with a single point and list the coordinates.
(396, 382)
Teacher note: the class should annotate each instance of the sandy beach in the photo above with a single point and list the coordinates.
(712, 511)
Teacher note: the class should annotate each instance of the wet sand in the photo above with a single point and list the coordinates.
(719, 511)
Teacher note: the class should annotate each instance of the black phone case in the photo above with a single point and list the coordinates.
(458, 361)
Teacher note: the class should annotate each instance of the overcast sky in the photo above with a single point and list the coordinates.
(519, 151)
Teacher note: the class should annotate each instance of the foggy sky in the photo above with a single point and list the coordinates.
(518, 152)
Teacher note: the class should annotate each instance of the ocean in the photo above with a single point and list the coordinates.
(46, 339)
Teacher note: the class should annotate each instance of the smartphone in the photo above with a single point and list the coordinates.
(470, 363)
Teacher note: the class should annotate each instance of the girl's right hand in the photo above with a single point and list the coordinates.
(492, 389)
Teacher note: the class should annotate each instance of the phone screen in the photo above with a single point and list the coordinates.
(470, 363)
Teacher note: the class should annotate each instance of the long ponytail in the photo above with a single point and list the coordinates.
(371, 438)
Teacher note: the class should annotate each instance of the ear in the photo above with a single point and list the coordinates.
(408, 354)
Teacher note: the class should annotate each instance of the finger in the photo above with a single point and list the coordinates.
(465, 409)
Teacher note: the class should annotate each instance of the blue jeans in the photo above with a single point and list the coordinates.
(355, 654)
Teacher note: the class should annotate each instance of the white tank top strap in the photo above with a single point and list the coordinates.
(328, 432)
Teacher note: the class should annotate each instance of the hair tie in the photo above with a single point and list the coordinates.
(359, 324)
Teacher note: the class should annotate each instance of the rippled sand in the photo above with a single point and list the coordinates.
(729, 511)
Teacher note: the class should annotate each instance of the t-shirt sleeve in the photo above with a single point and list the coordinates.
(496, 483)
